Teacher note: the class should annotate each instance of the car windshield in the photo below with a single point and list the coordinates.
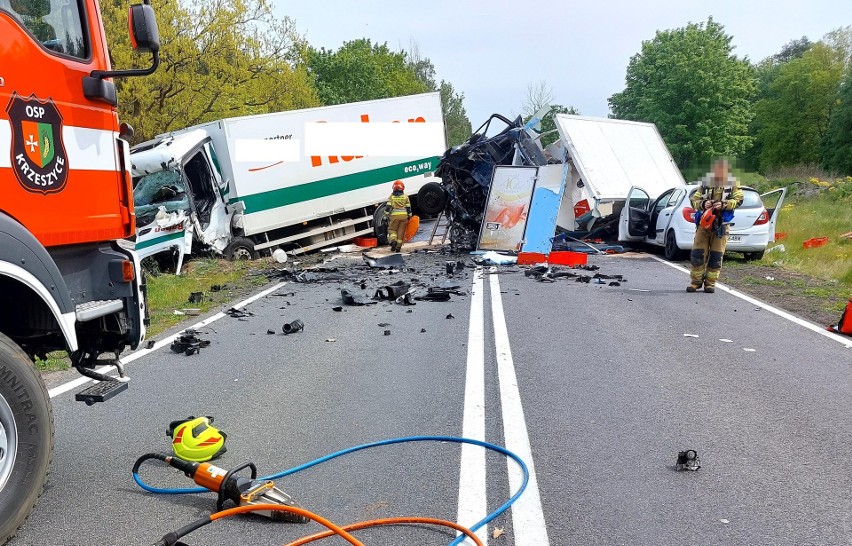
(155, 190)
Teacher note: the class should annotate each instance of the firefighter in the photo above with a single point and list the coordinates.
(718, 196)
(398, 213)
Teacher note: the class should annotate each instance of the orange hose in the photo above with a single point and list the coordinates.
(334, 529)
(390, 521)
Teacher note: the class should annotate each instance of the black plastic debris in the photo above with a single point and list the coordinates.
(384, 262)
(383, 324)
(217, 287)
(270, 332)
(189, 343)
(293, 327)
(451, 267)
(460, 265)
(150, 344)
(451, 316)
(387, 332)
(392, 292)
(615, 283)
(239, 313)
(434, 295)
(351, 299)
(338, 308)
(423, 330)
(196, 297)
(687, 460)
(406, 299)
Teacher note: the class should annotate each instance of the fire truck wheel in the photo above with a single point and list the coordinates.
(26, 437)
(240, 249)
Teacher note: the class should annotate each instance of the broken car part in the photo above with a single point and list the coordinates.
(351, 299)
(293, 327)
(189, 343)
(687, 460)
(384, 262)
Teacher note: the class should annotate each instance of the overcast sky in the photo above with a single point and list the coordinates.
(492, 50)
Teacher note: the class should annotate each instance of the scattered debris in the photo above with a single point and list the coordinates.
(196, 297)
(423, 330)
(451, 316)
(768, 278)
(724, 521)
(392, 292)
(816, 242)
(387, 332)
(451, 267)
(749, 350)
(494, 258)
(217, 287)
(723, 340)
(337, 308)
(150, 344)
(384, 262)
(293, 327)
(351, 299)
(690, 335)
(331, 340)
(270, 332)
(497, 532)
(239, 313)
(776, 248)
(193, 312)
(189, 343)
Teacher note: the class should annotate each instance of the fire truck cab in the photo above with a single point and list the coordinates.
(68, 281)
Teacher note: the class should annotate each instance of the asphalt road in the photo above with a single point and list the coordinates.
(600, 381)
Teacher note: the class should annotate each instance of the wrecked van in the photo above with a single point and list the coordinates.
(246, 186)
(599, 161)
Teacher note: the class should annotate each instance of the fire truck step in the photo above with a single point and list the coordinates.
(100, 392)
(98, 308)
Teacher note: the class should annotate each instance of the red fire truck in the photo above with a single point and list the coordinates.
(68, 281)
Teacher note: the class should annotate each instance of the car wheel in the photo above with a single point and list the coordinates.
(671, 250)
(380, 227)
(240, 249)
(431, 199)
(754, 255)
(26, 437)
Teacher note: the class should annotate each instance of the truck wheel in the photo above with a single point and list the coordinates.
(26, 437)
(431, 199)
(379, 227)
(240, 249)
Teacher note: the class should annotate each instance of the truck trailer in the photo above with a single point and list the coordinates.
(68, 279)
(246, 186)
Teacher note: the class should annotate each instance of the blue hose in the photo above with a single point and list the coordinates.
(453, 439)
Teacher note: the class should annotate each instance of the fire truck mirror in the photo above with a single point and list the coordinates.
(144, 34)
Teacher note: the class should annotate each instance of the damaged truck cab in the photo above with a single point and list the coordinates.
(68, 279)
(245, 186)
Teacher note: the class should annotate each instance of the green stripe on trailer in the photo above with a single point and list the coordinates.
(158, 240)
(323, 188)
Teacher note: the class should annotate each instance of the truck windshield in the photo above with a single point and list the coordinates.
(56, 24)
(155, 190)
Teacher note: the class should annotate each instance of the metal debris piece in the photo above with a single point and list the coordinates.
(239, 313)
(293, 327)
(392, 292)
(687, 460)
(384, 262)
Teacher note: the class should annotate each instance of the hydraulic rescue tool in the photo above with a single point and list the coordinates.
(242, 491)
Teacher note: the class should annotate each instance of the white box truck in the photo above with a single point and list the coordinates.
(245, 186)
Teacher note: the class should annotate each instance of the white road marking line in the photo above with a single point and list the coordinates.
(135, 355)
(528, 521)
(774, 310)
(473, 503)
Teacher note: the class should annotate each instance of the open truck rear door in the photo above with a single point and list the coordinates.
(772, 201)
(633, 223)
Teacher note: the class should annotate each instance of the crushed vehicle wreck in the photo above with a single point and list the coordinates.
(577, 184)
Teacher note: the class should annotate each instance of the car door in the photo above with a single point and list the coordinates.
(773, 201)
(635, 217)
(661, 215)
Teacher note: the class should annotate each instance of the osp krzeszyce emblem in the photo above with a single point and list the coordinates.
(38, 153)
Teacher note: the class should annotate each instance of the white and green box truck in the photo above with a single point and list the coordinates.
(246, 186)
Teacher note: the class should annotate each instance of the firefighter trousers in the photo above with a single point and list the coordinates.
(396, 228)
(708, 248)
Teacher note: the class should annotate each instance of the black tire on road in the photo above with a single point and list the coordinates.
(26, 437)
(380, 228)
(431, 199)
(671, 251)
(754, 255)
(240, 248)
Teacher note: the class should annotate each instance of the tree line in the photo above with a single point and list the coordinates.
(792, 108)
(227, 58)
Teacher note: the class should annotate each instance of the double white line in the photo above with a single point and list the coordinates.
(527, 515)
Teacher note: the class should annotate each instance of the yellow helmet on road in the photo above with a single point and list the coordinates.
(195, 439)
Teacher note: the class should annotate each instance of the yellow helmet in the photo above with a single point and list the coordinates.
(195, 439)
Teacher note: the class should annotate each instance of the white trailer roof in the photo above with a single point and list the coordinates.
(612, 155)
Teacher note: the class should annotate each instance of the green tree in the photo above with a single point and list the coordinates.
(219, 58)
(793, 119)
(361, 70)
(455, 115)
(837, 148)
(688, 82)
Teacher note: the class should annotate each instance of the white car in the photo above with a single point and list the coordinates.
(667, 221)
